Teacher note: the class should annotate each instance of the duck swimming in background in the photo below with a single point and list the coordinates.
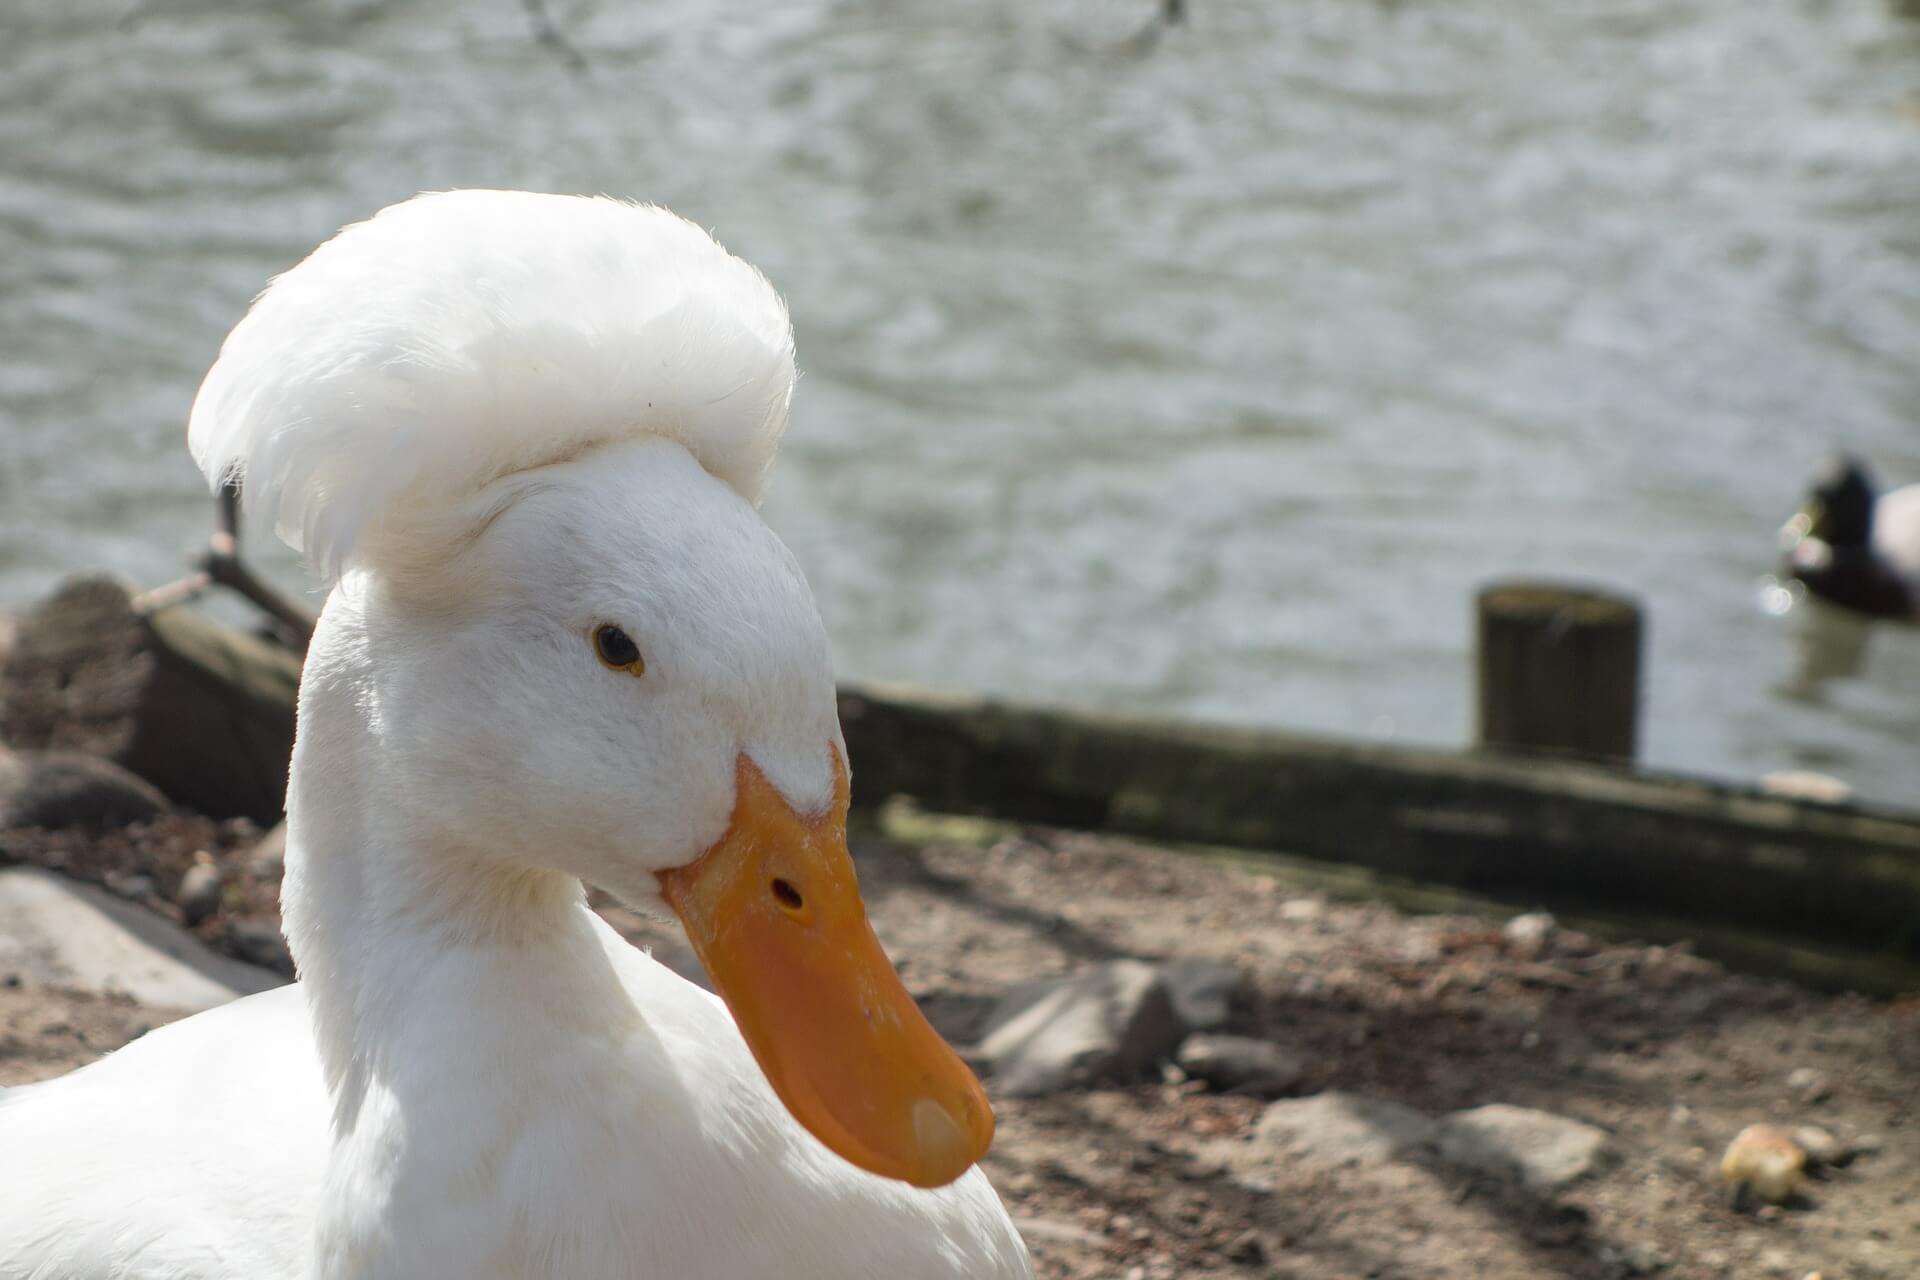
(524, 436)
(1855, 548)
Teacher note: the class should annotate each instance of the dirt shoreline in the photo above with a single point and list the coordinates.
(1668, 1053)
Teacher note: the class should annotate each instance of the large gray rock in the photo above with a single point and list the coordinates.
(1543, 1151)
(1114, 1022)
(1202, 991)
(56, 933)
(68, 789)
(1327, 1131)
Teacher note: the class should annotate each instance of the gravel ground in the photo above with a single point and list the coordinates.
(1666, 1052)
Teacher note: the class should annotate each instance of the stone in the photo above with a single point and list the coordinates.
(1056, 1233)
(1242, 1064)
(57, 933)
(261, 943)
(1543, 1151)
(199, 893)
(1809, 1084)
(1822, 1148)
(1527, 935)
(1114, 1022)
(1328, 1131)
(1867, 1144)
(1643, 1259)
(68, 789)
(1763, 1162)
(1203, 991)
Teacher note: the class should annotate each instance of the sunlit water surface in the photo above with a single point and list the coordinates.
(1204, 376)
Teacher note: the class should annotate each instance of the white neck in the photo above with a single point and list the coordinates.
(383, 918)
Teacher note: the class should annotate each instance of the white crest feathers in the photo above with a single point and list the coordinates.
(465, 335)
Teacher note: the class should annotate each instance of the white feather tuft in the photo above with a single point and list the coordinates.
(465, 335)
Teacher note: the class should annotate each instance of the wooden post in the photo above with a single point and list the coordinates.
(1559, 670)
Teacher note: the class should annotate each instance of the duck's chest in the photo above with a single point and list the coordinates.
(647, 1159)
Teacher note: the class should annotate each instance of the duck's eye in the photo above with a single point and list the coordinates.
(617, 650)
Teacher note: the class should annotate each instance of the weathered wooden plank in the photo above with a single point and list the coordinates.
(1562, 833)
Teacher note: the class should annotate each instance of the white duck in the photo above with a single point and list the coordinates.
(524, 434)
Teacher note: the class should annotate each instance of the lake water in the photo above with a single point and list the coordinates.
(1204, 376)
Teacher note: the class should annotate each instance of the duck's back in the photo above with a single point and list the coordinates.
(1896, 531)
(196, 1151)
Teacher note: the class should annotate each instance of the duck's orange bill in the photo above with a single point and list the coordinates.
(774, 911)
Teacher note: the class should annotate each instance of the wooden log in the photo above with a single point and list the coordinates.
(1559, 670)
(200, 710)
(1574, 836)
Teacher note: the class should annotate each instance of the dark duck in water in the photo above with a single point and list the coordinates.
(1854, 547)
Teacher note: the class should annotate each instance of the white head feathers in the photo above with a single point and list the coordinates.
(465, 335)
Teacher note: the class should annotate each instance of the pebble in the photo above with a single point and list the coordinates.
(1764, 1161)
(1810, 1085)
(1242, 1064)
(1643, 1259)
(1527, 935)
(199, 893)
(261, 943)
(1247, 1247)
(1822, 1148)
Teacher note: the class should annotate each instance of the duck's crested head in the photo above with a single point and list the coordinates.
(1839, 506)
(462, 336)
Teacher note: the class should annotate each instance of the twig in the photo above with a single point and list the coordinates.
(220, 565)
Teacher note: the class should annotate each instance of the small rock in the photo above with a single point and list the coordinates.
(1763, 1161)
(1114, 1022)
(199, 893)
(1867, 1144)
(1822, 1148)
(1052, 1231)
(1527, 935)
(262, 943)
(68, 789)
(1643, 1259)
(135, 885)
(1247, 1247)
(1242, 1064)
(1544, 1151)
(1202, 991)
(1327, 1131)
(1810, 1085)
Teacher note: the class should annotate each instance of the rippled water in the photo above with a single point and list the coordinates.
(1207, 375)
